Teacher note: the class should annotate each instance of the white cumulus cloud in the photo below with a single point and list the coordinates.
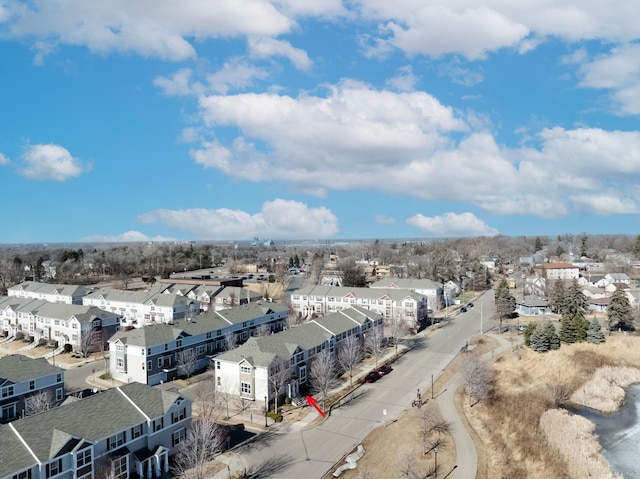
(50, 162)
(451, 225)
(278, 219)
(4, 160)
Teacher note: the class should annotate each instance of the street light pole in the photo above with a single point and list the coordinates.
(432, 386)
(265, 411)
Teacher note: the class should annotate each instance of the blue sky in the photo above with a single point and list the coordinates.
(317, 119)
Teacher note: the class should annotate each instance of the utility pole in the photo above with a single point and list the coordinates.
(481, 311)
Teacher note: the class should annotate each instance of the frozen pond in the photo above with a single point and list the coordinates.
(619, 434)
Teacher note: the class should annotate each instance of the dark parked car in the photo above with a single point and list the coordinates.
(372, 377)
(386, 369)
(463, 310)
(470, 305)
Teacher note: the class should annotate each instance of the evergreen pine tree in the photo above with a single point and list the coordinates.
(557, 298)
(552, 336)
(575, 301)
(528, 331)
(619, 311)
(539, 341)
(595, 334)
(581, 326)
(567, 330)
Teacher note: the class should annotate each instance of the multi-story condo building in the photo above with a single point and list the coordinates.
(156, 353)
(560, 271)
(427, 287)
(83, 327)
(246, 372)
(391, 303)
(140, 308)
(128, 431)
(54, 293)
(22, 377)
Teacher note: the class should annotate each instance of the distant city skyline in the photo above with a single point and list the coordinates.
(177, 121)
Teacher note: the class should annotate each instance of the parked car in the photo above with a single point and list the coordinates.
(372, 377)
(470, 305)
(463, 310)
(386, 369)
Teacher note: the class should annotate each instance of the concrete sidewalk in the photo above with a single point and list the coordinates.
(466, 453)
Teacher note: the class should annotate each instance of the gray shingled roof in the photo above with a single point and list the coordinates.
(157, 334)
(50, 288)
(261, 351)
(94, 418)
(17, 368)
(405, 283)
(365, 293)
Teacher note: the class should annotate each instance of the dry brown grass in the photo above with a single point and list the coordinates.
(510, 426)
(604, 391)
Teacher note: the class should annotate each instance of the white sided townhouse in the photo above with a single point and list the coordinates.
(391, 303)
(128, 431)
(426, 287)
(246, 372)
(140, 308)
(54, 293)
(22, 377)
(153, 354)
(61, 322)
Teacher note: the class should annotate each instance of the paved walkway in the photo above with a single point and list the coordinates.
(466, 453)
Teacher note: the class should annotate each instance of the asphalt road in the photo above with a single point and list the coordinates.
(292, 452)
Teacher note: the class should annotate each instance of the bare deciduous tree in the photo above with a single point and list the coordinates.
(431, 426)
(87, 339)
(204, 403)
(38, 402)
(350, 355)
(398, 328)
(231, 340)
(478, 377)
(322, 374)
(203, 439)
(263, 330)
(186, 361)
(374, 342)
(279, 375)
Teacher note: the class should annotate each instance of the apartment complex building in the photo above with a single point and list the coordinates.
(22, 377)
(391, 303)
(246, 372)
(153, 354)
(128, 431)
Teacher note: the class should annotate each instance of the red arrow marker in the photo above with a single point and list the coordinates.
(312, 402)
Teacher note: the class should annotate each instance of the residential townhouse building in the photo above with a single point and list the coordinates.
(22, 377)
(54, 293)
(391, 303)
(65, 323)
(246, 372)
(153, 354)
(211, 295)
(426, 287)
(139, 308)
(127, 431)
(565, 271)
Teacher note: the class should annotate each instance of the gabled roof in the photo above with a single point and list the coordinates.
(94, 418)
(49, 288)
(261, 351)
(163, 333)
(17, 368)
(394, 294)
(405, 283)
